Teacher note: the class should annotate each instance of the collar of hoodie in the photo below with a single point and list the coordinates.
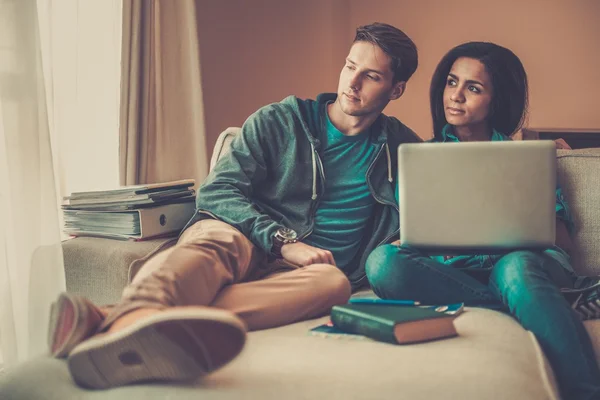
(314, 167)
(379, 131)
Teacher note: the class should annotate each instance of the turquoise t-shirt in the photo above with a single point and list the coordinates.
(346, 204)
(562, 208)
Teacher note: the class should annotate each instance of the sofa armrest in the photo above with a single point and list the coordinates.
(99, 268)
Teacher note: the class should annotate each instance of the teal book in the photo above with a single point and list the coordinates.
(394, 324)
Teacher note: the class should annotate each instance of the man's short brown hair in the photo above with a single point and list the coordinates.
(395, 44)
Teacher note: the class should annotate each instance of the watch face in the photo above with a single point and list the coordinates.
(287, 234)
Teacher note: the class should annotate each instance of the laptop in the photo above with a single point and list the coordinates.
(477, 197)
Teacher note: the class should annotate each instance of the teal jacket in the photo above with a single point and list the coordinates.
(273, 177)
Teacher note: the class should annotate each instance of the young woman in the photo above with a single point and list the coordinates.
(479, 92)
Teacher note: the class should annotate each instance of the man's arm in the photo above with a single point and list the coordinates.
(226, 193)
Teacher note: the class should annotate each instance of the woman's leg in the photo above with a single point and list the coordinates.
(402, 272)
(526, 282)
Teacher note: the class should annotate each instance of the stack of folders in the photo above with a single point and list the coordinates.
(130, 212)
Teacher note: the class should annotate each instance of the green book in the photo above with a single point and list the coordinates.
(394, 324)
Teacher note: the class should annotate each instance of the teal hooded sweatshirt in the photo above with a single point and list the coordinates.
(273, 177)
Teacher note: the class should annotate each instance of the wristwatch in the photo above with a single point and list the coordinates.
(283, 236)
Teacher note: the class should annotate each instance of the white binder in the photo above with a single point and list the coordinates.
(143, 223)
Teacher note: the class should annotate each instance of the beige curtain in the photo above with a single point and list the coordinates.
(31, 260)
(162, 134)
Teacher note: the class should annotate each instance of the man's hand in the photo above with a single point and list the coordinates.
(302, 254)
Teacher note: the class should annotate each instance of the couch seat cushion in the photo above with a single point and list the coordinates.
(492, 358)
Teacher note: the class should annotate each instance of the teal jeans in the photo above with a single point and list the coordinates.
(523, 283)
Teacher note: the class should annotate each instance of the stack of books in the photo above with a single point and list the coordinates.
(130, 212)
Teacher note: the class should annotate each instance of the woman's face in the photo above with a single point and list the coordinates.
(468, 93)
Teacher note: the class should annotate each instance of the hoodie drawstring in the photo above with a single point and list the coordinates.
(389, 162)
(314, 168)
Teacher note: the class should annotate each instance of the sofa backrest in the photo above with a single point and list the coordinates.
(579, 175)
(222, 145)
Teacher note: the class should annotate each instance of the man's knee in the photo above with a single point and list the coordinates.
(329, 280)
(216, 239)
(211, 230)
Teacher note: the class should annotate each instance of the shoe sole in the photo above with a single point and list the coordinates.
(171, 345)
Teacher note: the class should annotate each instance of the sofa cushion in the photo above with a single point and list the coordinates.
(492, 358)
(579, 174)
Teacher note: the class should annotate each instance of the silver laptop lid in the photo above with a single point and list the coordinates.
(477, 197)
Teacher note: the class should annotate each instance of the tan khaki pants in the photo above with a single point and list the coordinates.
(213, 264)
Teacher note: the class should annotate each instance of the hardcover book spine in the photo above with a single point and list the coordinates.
(362, 325)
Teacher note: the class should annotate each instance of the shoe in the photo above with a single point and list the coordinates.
(72, 320)
(176, 344)
(587, 304)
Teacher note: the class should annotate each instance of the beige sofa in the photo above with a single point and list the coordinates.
(493, 358)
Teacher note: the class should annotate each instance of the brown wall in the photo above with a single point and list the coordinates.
(558, 41)
(257, 52)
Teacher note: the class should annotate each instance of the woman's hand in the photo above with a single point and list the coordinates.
(561, 144)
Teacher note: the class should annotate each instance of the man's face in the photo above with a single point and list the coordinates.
(365, 85)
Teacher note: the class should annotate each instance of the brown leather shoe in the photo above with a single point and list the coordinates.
(72, 319)
(175, 344)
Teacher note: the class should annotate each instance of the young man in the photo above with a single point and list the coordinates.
(283, 226)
